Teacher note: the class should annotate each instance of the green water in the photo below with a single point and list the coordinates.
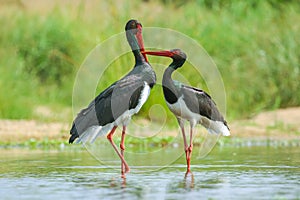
(226, 173)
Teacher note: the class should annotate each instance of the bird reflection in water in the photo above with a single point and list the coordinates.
(188, 180)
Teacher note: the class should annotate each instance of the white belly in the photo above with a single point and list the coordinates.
(182, 111)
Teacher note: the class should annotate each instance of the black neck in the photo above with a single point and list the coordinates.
(169, 88)
(177, 63)
(139, 58)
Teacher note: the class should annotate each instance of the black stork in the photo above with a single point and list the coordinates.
(189, 103)
(115, 105)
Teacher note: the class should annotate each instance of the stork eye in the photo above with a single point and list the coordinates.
(133, 25)
(176, 52)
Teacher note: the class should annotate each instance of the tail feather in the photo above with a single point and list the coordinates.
(74, 134)
(89, 135)
(219, 127)
(92, 133)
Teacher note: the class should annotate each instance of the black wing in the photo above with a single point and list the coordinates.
(198, 101)
(109, 105)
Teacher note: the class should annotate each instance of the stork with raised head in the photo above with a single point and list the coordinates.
(115, 105)
(189, 103)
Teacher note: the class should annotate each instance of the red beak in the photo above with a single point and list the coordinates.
(160, 53)
(140, 41)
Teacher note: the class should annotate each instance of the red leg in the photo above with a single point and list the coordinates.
(184, 140)
(181, 124)
(109, 137)
(190, 149)
(122, 147)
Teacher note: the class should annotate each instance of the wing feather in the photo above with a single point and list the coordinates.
(198, 101)
(109, 105)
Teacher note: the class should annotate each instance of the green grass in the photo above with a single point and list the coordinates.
(148, 144)
(255, 45)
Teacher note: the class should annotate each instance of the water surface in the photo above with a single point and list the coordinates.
(226, 173)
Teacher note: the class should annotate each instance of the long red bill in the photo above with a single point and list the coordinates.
(159, 53)
(141, 41)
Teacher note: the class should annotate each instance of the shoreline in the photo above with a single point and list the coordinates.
(279, 126)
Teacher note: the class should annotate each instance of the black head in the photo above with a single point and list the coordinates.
(178, 54)
(132, 25)
(134, 36)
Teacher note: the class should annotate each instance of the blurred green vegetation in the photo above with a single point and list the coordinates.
(255, 45)
(48, 50)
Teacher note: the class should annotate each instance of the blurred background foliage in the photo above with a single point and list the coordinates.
(254, 43)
